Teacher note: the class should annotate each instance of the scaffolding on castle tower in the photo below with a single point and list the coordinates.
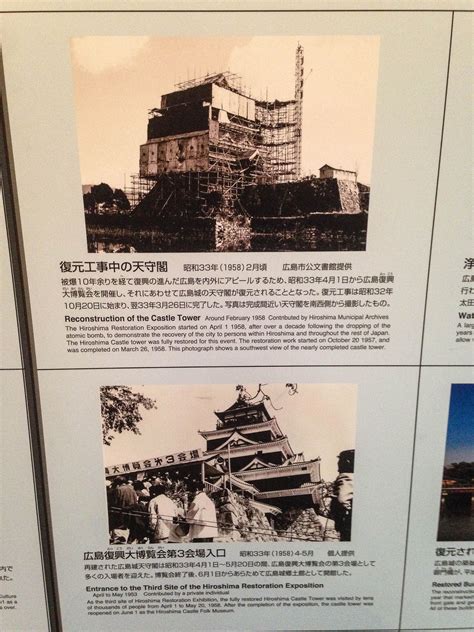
(299, 84)
(234, 81)
(139, 187)
(278, 128)
(263, 148)
(281, 128)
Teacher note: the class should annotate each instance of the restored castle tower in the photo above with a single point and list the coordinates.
(251, 444)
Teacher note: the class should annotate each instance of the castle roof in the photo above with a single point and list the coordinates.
(257, 470)
(336, 168)
(278, 445)
(297, 458)
(235, 439)
(244, 405)
(244, 428)
(256, 464)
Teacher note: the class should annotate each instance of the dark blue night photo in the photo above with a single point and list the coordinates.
(456, 522)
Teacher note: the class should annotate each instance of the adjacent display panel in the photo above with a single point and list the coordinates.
(449, 319)
(22, 592)
(439, 561)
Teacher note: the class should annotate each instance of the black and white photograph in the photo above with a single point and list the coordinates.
(225, 144)
(229, 463)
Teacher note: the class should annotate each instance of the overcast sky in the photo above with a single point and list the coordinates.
(320, 420)
(118, 79)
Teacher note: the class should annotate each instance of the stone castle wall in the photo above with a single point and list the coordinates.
(238, 521)
(348, 196)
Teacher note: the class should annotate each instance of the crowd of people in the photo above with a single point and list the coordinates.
(176, 508)
(160, 509)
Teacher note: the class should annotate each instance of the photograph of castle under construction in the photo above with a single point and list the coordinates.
(225, 463)
(225, 144)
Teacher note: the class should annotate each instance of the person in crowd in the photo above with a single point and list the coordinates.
(125, 495)
(163, 514)
(110, 504)
(122, 499)
(139, 530)
(141, 490)
(201, 516)
(343, 494)
(166, 478)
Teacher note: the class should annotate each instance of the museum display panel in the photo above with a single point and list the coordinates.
(203, 204)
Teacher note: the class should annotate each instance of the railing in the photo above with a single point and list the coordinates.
(298, 491)
(210, 487)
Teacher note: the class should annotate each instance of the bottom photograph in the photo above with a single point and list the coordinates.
(229, 463)
(456, 513)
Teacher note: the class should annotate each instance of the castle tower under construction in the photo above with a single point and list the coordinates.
(217, 138)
